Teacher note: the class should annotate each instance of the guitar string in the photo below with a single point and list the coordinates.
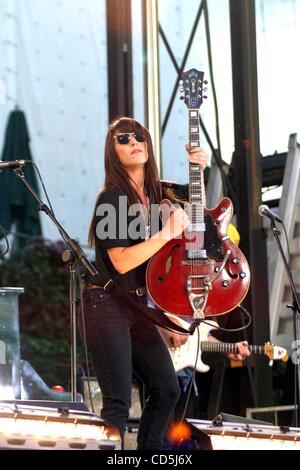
(196, 209)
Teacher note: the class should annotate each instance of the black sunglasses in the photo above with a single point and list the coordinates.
(126, 137)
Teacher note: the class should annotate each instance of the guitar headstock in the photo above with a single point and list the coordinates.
(191, 86)
(274, 352)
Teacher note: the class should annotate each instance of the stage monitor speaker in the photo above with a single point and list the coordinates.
(227, 418)
(59, 405)
(46, 425)
(246, 436)
(197, 440)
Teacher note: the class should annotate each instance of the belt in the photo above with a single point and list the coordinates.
(89, 285)
(140, 291)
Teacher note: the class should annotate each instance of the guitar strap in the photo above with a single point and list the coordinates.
(155, 314)
(124, 297)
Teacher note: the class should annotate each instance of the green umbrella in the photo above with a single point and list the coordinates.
(17, 205)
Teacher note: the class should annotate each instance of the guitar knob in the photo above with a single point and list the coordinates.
(225, 283)
(235, 260)
(217, 269)
(243, 275)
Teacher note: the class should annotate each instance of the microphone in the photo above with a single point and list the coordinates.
(264, 210)
(13, 164)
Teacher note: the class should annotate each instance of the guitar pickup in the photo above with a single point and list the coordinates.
(196, 254)
(196, 227)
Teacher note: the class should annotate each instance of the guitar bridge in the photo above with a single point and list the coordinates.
(198, 300)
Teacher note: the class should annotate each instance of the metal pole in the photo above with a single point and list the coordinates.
(152, 77)
(246, 170)
(119, 58)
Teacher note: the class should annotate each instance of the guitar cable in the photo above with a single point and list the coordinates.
(192, 379)
(232, 330)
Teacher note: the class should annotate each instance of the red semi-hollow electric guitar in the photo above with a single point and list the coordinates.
(203, 273)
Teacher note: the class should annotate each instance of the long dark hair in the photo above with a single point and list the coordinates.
(116, 175)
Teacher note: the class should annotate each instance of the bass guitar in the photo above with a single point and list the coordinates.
(185, 355)
(203, 273)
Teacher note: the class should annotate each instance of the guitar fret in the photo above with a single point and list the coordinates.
(184, 355)
(196, 184)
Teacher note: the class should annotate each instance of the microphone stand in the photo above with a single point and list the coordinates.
(295, 306)
(70, 257)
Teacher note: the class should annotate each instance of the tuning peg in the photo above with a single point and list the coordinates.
(205, 82)
(205, 89)
(181, 98)
(205, 97)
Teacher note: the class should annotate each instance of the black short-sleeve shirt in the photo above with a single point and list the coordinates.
(113, 230)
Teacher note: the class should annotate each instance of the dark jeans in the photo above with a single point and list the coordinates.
(121, 342)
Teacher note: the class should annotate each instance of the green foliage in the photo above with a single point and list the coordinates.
(44, 307)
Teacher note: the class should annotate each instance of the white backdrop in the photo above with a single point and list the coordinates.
(53, 64)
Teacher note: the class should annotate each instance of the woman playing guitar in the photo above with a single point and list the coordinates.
(201, 273)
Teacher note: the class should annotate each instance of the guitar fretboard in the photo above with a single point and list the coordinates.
(196, 179)
(211, 346)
